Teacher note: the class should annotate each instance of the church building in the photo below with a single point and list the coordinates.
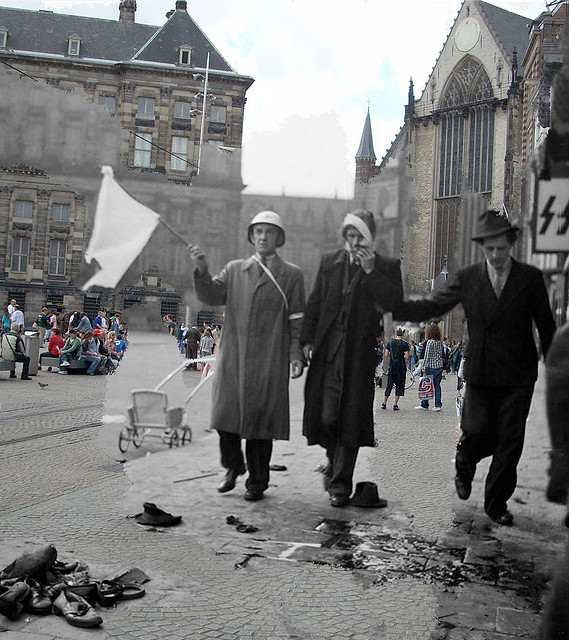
(459, 150)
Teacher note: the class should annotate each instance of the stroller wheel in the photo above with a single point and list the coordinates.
(124, 439)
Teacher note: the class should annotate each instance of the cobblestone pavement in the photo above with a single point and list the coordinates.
(428, 566)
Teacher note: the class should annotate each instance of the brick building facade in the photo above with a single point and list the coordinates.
(81, 92)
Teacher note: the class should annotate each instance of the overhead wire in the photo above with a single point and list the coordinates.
(133, 133)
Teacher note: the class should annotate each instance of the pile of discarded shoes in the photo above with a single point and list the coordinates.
(38, 583)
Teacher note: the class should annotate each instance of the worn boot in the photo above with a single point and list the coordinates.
(76, 610)
(11, 599)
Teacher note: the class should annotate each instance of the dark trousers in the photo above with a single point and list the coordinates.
(192, 353)
(20, 357)
(493, 424)
(258, 454)
(341, 460)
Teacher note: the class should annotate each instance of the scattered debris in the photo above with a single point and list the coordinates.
(206, 475)
(241, 526)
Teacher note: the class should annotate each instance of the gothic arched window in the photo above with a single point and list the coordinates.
(466, 147)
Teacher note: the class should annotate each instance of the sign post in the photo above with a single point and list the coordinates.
(551, 219)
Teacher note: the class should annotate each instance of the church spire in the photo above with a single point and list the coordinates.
(366, 143)
(365, 157)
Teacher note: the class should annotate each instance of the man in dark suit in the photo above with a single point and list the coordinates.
(501, 298)
(342, 319)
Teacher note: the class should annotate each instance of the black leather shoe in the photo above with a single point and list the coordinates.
(25, 378)
(463, 488)
(339, 500)
(252, 496)
(506, 519)
(230, 479)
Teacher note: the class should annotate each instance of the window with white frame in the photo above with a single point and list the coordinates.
(185, 55)
(218, 114)
(20, 254)
(3, 38)
(142, 149)
(109, 103)
(145, 108)
(179, 158)
(182, 110)
(57, 250)
(23, 209)
(74, 46)
(60, 212)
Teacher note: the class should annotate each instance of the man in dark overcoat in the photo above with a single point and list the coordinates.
(501, 298)
(264, 304)
(342, 319)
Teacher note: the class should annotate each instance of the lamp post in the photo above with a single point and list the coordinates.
(205, 95)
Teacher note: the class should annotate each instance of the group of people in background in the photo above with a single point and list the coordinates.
(73, 336)
(193, 341)
(433, 356)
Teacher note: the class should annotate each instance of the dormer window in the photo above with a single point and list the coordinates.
(185, 55)
(74, 46)
(3, 38)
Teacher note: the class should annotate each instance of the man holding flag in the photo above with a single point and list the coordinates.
(264, 307)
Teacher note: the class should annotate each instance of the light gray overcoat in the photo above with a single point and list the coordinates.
(260, 337)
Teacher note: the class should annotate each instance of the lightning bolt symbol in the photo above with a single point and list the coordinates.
(562, 230)
(547, 215)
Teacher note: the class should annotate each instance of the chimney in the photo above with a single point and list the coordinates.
(181, 5)
(127, 9)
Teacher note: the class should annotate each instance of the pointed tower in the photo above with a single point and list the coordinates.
(365, 157)
(410, 106)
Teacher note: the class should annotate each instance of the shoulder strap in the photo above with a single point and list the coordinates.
(272, 277)
(10, 343)
(293, 316)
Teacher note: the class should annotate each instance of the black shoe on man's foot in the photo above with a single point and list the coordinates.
(463, 488)
(506, 519)
(230, 479)
(253, 496)
(339, 500)
(384, 406)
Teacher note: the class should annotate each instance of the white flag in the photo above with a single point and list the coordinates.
(115, 248)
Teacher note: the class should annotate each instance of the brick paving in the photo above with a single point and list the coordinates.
(428, 566)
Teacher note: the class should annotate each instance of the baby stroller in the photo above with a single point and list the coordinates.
(150, 416)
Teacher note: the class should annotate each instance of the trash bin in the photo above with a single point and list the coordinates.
(32, 344)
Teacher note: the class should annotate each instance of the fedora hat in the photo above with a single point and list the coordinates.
(153, 516)
(490, 224)
(366, 495)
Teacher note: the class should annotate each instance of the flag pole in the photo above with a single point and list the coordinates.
(172, 230)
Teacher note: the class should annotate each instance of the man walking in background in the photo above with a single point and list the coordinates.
(398, 352)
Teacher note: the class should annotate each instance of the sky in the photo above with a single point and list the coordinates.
(318, 65)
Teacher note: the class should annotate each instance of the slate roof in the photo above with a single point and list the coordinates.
(178, 31)
(512, 29)
(46, 32)
(366, 143)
